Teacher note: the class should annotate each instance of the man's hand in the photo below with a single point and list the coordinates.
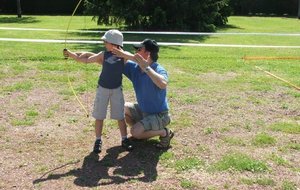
(141, 61)
(118, 52)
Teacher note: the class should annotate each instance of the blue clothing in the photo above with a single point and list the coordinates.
(151, 98)
(112, 69)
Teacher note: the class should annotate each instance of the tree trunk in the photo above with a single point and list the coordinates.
(299, 9)
(19, 9)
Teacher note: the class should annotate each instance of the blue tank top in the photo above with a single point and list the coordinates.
(112, 69)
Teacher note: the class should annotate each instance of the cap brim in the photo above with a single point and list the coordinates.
(138, 45)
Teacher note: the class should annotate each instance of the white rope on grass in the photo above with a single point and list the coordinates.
(160, 43)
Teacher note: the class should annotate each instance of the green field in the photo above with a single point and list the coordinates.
(236, 127)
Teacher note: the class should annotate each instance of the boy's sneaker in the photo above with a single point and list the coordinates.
(127, 144)
(97, 146)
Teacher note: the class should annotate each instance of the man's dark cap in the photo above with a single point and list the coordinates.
(150, 45)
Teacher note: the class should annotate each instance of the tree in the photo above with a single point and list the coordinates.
(19, 8)
(299, 9)
(170, 15)
(265, 7)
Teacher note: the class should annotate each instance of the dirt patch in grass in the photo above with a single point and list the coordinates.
(54, 151)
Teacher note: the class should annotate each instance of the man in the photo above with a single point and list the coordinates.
(149, 116)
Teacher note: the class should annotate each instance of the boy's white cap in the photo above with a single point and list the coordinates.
(113, 37)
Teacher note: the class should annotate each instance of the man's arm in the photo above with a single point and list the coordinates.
(159, 80)
(124, 54)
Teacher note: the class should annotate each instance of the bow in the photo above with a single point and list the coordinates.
(69, 81)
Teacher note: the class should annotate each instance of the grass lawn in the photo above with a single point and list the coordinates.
(235, 126)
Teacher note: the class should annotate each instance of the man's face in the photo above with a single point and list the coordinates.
(142, 51)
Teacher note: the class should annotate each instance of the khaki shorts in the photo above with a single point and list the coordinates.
(115, 98)
(150, 121)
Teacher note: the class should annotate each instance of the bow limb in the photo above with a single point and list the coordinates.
(69, 81)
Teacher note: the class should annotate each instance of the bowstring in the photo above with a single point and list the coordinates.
(69, 81)
(86, 74)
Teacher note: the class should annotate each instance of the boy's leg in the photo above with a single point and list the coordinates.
(98, 132)
(117, 112)
(98, 128)
(123, 130)
(99, 113)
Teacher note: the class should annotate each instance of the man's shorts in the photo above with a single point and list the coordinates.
(150, 121)
(115, 98)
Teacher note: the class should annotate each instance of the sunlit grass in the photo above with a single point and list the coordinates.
(260, 181)
(204, 82)
(188, 164)
(234, 141)
(240, 162)
(20, 86)
(286, 127)
(187, 184)
(263, 139)
(288, 185)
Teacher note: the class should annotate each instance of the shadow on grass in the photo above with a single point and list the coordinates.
(182, 38)
(140, 37)
(227, 27)
(114, 168)
(23, 20)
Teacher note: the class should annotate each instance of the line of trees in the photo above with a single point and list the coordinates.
(19, 10)
(179, 15)
(265, 7)
(183, 15)
(41, 7)
(299, 9)
(239, 7)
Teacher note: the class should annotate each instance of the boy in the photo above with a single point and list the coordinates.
(109, 86)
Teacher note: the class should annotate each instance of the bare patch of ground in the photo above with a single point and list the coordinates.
(55, 151)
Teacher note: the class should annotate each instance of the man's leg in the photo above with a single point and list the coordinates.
(138, 132)
(132, 114)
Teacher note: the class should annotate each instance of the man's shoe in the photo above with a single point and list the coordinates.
(97, 146)
(126, 143)
(165, 141)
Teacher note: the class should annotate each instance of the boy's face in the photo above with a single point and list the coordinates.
(109, 46)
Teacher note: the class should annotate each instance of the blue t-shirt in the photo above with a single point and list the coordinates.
(151, 98)
(112, 69)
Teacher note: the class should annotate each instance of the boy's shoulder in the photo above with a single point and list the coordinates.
(99, 57)
(101, 53)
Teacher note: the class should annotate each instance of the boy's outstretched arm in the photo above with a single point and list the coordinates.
(84, 57)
